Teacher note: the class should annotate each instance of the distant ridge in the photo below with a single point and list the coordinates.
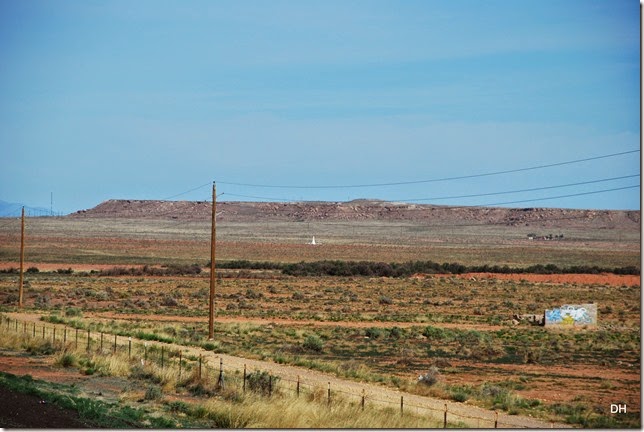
(362, 210)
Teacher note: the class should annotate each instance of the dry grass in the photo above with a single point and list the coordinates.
(289, 412)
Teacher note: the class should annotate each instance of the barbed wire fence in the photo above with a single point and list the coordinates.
(197, 373)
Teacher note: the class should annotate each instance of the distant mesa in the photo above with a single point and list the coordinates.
(366, 210)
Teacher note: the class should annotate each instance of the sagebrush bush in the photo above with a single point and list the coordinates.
(153, 392)
(261, 382)
(66, 360)
(314, 343)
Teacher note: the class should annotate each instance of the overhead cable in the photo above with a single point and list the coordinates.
(431, 180)
(557, 197)
(460, 196)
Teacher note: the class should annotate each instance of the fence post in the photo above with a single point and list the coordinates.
(89, 339)
(445, 417)
(244, 385)
(129, 350)
(220, 381)
(65, 335)
(401, 405)
(496, 419)
(101, 342)
(362, 401)
(179, 366)
(329, 394)
(298, 386)
(43, 331)
(270, 385)
(34, 329)
(145, 351)
(54, 335)
(16, 326)
(76, 338)
(162, 350)
(199, 367)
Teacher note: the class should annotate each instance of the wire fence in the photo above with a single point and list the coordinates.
(207, 370)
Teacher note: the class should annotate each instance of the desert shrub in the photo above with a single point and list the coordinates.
(33, 270)
(384, 300)
(431, 332)
(169, 301)
(406, 269)
(176, 406)
(531, 355)
(11, 298)
(252, 294)
(502, 398)
(249, 265)
(65, 271)
(73, 312)
(153, 392)
(10, 270)
(460, 393)
(297, 296)
(180, 269)
(66, 359)
(628, 270)
(374, 332)
(261, 382)
(210, 346)
(313, 343)
(153, 337)
(88, 366)
(42, 301)
(45, 347)
(396, 333)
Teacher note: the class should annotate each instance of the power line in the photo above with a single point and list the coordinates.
(262, 198)
(188, 191)
(519, 190)
(560, 196)
(431, 180)
(461, 196)
(15, 211)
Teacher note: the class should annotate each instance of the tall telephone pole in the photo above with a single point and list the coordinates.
(22, 257)
(211, 315)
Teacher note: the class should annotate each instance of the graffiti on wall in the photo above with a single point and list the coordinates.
(572, 315)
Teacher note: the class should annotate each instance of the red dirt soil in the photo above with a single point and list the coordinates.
(573, 278)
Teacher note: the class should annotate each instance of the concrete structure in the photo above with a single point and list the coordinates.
(572, 315)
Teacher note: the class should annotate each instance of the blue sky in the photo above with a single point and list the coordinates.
(150, 99)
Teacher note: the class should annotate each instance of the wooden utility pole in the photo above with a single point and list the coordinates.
(213, 275)
(22, 257)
